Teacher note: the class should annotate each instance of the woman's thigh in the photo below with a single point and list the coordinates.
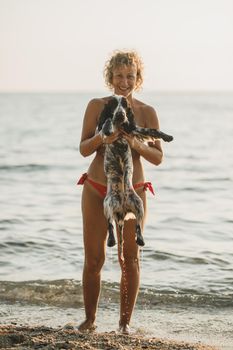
(130, 247)
(94, 224)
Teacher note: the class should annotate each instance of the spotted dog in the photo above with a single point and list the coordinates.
(121, 198)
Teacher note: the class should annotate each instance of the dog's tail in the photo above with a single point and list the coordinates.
(129, 216)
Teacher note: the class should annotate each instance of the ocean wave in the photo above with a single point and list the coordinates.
(64, 293)
(32, 167)
(68, 293)
(14, 221)
(216, 179)
(206, 259)
(24, 167)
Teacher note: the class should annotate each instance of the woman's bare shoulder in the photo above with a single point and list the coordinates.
(148, 114)
(143, 105)
(94, 107)
(145, 108)
(98, 101)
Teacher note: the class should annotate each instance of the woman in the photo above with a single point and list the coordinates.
(123, 75)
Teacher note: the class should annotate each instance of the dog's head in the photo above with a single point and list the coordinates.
(120, 107)
(119, 111)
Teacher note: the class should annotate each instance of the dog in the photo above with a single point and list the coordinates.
(121, 200)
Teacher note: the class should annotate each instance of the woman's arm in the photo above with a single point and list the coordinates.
(90, 141)
(152, 151)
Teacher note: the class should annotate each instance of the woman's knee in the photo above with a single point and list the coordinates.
(94, 264)
(130, 263)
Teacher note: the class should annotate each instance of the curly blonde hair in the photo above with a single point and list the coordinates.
(119, 58)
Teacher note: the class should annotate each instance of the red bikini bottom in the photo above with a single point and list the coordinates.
(102, 189)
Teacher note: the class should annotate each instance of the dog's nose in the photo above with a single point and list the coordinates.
(119, 117)
(120, 113)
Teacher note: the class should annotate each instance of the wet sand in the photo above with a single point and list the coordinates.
(24, 337)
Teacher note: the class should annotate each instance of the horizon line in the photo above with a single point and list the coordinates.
(154, 91)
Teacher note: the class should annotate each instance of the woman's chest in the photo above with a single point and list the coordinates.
(140, 117)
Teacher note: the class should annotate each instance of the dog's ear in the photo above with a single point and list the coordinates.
(104, 115)
(107, 112)
(131, 125)
(108, 127)
(125, 103)
(113, 103)
(130, 116)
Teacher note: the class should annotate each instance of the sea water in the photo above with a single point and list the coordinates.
(187, 263)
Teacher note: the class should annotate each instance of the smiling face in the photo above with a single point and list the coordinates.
(124, 79)
(123, 72)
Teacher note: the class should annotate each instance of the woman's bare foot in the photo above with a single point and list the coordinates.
(87, 326)
(124, 329)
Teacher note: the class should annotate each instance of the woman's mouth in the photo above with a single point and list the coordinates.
(123, 90)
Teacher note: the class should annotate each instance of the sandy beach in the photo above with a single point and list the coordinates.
(23, 338)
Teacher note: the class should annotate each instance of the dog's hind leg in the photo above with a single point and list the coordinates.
(109, 216)
(119, 219)
(111, 238)
(139, 237)
(121, 241)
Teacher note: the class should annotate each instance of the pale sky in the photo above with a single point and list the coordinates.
(62, 45)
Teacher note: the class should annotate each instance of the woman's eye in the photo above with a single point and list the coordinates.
(120, 76)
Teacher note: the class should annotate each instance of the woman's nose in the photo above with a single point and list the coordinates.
(124, 81)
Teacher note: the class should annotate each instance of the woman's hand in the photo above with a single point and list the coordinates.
(132, 140)
(111, 138)
(149, 151)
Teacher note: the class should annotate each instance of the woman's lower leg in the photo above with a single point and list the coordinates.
(128, 289)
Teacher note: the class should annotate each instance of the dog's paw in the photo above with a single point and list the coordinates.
(111, 241)
(166, 137)
(140, 241)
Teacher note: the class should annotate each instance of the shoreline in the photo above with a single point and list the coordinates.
(27, 337)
